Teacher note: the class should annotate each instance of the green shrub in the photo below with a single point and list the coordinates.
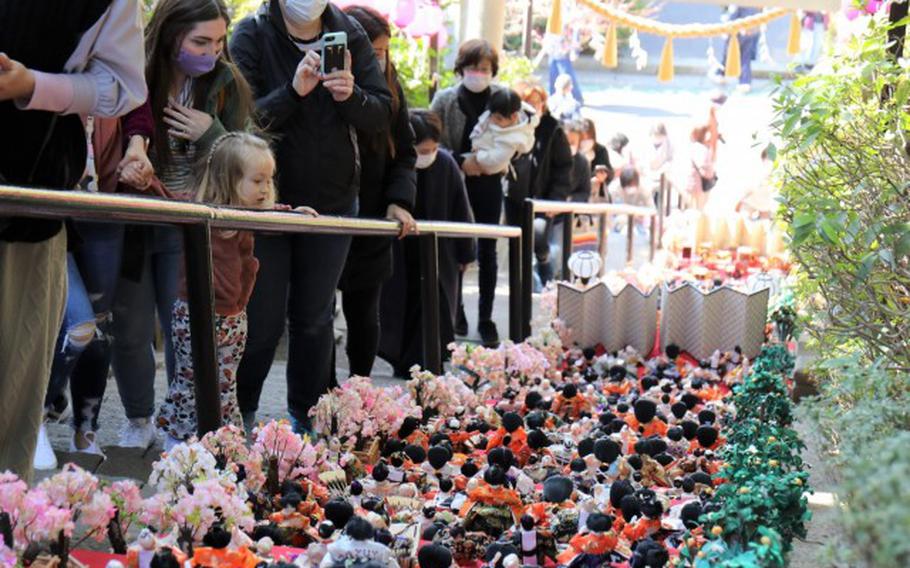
(844, 173)
(863, 415)
(876, 488)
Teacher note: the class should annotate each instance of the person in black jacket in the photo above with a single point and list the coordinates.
(551, 177)
(388, 184)
(598, 160)
(315, 119)
(580, 191)
(441, 196)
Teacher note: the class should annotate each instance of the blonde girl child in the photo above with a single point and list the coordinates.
(238, 172)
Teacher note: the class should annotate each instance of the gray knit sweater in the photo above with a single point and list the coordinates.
(445, 104)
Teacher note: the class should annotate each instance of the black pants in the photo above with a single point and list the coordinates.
(361, 312)
(298, 275)
(485, 195)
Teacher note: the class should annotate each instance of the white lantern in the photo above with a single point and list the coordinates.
(585, 264)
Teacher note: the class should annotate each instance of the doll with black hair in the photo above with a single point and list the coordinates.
(358, 544)
(570, 404)
(492, 507)
(644, 421)
(511, 435)
(594, 547)
(296, 528)
(651, 509)
(535, 544)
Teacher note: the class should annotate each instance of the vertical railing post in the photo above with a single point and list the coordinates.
(653, 240)
(516, 319)
(527, 276)
(662, 198)
(567, 228)
(602, 243)
(197, 246)
(429, 298)
(630, 235)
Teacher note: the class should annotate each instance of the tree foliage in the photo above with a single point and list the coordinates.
(845, 193)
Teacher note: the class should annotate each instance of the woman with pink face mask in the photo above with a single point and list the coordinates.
(196, 95)
(459, 108)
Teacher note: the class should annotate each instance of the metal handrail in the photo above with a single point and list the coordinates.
(88, 205)
(533, 207)
(584, 208)
(198, 219)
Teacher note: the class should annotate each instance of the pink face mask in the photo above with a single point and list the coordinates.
(477, 81)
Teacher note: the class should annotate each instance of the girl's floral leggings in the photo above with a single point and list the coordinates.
(177, 416)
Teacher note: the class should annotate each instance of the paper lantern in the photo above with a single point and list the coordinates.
(404, 12)
(585, 264)
(384, 7)
(428, 20)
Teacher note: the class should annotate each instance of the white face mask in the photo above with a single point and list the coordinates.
(382, 64)
(424, 161)
(300, 12)
(477, 81)
(586, 145)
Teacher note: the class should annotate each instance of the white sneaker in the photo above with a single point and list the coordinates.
(44, 453)
(92, 447)
(138, 433)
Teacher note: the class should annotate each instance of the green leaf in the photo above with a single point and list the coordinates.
(902, 248)
(902, 93)
(828, 231)
(865, 268)
(803, 219)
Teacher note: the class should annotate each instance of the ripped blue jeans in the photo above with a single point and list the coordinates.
(83, 354)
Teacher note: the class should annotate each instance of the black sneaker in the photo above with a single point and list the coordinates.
(461, 323)
(489, 335)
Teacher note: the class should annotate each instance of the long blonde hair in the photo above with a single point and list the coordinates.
(218, 179)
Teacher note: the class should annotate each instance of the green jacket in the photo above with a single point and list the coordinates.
(224, 103)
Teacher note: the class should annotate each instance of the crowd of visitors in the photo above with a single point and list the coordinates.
(260, 122)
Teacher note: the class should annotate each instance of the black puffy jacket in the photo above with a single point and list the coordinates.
(316, 137)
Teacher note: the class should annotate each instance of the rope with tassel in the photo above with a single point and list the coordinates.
(732, 67)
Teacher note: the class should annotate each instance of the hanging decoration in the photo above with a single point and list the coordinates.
(618, 17)
(733, 66)
(793, 47)
(416, 18)
(554, 23)
(610, 58)
(665, 69)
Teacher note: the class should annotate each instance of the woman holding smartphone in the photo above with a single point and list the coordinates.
(316, 119)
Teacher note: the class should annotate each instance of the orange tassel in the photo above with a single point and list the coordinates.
(610, 57)
(554, 24)
(793, 41)
(665, 70)
(732, 66)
